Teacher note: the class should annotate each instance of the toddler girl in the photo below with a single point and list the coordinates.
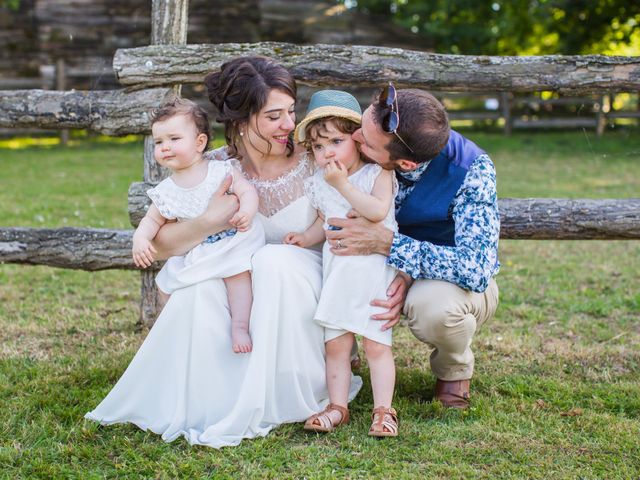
(180, 131)
(344, 182)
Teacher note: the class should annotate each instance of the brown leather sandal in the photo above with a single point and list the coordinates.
(321, 422)
(384, 422)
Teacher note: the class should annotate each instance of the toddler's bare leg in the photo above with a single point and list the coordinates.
(338, 354)
(383, 372)
(240, 298)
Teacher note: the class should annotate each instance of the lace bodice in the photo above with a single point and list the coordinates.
(274, 194)
(180, 203)
(332, 204)
(283, 205)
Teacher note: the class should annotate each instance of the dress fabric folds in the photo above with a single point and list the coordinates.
(185, 379)
(351, 283)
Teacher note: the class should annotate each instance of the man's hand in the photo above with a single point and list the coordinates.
(396, 295)
(359, 236)
(336, 174)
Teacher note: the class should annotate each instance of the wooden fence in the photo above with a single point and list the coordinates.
(526, 111)
(150, 73)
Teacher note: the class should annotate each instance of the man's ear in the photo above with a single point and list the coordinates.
(406, 165)
(201, 142)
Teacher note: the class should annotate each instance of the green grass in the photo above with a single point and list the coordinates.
(555, 394)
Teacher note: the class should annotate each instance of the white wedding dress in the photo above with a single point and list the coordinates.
(185, 379)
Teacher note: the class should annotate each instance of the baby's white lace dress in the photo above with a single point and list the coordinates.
(223, 255)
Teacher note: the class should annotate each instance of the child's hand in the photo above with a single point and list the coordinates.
(335, 174)
(143, 253)
(241, 221)
(297, 239)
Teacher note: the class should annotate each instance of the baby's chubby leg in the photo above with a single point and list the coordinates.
(240, 299)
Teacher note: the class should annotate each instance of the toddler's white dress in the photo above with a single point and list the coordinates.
(223, 256)
(350, 283)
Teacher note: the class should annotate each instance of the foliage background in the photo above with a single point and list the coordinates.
(516, 27)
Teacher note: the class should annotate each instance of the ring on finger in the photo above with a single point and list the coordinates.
(339, 243)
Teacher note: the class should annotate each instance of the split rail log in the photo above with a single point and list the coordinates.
(89, 249)
(533, 219)
(113, 112)
(321, 65)
(521, 218)
(569, 219)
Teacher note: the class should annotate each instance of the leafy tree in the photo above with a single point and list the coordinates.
(10, 4)
(513, 27)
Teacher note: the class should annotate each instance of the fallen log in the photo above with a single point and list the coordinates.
(335, 65)
(531, 218)
(77, 248)
(521, 218)
(112, 112)
(569, 219)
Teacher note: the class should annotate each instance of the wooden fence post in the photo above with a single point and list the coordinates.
(61, 85)
(169, 22)
(601, 119)
(505, 105)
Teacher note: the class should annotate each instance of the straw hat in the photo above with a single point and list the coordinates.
(329, 103)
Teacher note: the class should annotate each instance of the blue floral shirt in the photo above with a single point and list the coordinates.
(474, 209)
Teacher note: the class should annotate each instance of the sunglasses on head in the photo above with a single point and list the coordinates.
(390, 122)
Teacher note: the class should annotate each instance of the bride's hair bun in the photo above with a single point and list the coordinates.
(241, 89)
(212, 82)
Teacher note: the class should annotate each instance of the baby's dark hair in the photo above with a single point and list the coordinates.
(183, 106)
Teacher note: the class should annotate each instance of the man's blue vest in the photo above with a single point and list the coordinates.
(424, 214)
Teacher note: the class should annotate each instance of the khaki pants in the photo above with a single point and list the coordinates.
(445, 316)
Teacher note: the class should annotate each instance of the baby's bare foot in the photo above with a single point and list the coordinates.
(241, 340)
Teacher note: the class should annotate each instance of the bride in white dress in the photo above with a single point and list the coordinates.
(185, 379)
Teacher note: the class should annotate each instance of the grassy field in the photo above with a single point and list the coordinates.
(555, 394)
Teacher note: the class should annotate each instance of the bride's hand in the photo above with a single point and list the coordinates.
(222, 206)
(177, 238)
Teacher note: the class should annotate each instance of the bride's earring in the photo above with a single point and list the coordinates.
(242, 134)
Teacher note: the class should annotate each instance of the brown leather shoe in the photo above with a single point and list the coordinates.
(454, 394)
